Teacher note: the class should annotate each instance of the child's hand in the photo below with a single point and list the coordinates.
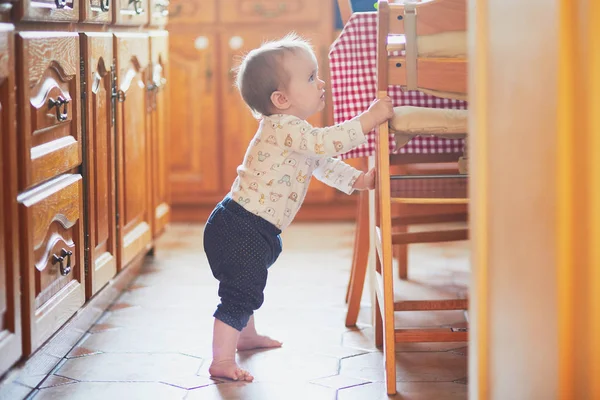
(382, 110)
(366, 181)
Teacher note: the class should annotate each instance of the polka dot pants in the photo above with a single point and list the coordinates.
(240, 247)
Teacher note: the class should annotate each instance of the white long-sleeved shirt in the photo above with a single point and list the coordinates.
(281, 159)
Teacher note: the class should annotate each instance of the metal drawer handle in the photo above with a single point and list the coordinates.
(137, 6)
(64, 269)
(60, 3)
(60, 101)
(104, 6)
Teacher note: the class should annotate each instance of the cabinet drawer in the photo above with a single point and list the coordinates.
(192, 12)
(252, 11)
(52, 256)
(48, 95)
(48, 10)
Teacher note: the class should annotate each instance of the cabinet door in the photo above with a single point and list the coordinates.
(133, 150)
(49, 97)
(130, 12)
(48, 10)
(51, 234)
(158, 108)
(96, 11)
(10, 306)
(100, 182)
(239, 126)
(195, 167)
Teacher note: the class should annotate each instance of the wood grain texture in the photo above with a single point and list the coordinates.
(133, 148)
(10, 302)
(100, 162)
(51, 220)
(48, 71)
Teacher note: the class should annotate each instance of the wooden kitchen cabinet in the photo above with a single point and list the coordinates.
(194, 170)
(133, 149)
(48, 104)
(209, 136)
(10, 293)
(84, 148)
(52, 267)
(47, 10)
(158, 112)
(99, 167)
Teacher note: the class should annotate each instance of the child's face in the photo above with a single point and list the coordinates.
(306, 91)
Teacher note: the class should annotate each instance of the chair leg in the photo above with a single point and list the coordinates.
(359, 261)
(401, 254)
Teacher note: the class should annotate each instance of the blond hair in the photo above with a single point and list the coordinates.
(261, 72)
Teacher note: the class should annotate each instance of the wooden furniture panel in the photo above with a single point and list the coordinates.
(10, 304)
(158, 102)
(96, 11)
(48, 105)
(99, 166)
(192, 12)
(159, 12)
(52, 268)
(194, 140)
(47, 10)
(130, 12)
(269, 11)
(133, 150)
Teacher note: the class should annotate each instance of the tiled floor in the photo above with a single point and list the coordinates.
(155, 341)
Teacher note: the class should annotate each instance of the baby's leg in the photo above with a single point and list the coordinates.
(225, 339)
(250, 339)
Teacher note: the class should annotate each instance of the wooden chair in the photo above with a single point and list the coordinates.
(440, 74)
(408, 214)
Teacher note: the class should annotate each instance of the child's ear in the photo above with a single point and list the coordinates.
(280, 100)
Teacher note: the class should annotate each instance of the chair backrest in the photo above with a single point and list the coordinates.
(345, 10)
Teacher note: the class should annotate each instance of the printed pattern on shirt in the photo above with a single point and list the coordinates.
(281, 159)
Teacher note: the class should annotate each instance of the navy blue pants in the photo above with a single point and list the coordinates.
(240, 247)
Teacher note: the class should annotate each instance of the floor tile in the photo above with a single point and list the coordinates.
(263, 391)
(406, 391)
(130, 367)
(410, 366)
(339, 382)
(112, 390)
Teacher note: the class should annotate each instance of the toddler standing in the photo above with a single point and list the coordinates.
(279, 82)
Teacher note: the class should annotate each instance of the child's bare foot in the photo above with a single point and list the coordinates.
(230, 370)
(249, 342)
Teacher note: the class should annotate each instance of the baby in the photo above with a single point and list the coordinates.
(280, 83)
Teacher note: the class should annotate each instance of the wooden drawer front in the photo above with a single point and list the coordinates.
(50, 132)
(192, 12)
(132, 52)
(52, 255)
(48, 10)
(97, 11)
(130, 12)
(159, 12)
(250, 11)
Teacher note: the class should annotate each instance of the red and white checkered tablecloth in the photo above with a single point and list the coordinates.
(352, 61)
